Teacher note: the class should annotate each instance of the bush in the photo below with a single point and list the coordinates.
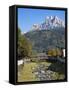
(24, 46)
(54, 52)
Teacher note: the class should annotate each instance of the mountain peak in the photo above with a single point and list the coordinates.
(50, 22)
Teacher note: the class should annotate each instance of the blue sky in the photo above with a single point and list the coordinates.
(28, 17)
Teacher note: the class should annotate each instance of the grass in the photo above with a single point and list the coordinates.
(25, 74)
(25, 71)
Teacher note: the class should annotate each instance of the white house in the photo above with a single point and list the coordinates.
(20, 62)
(63, 52)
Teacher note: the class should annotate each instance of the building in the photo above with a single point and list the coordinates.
(63, 52)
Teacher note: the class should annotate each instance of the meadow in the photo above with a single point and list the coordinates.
(37, 71)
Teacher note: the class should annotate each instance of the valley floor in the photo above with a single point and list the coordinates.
(37, 71)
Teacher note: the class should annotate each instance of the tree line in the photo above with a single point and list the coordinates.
(24, 46)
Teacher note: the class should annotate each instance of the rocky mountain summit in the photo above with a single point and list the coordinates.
(51, 22)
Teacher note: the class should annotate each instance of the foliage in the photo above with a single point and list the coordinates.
(24, 46)
(54, 52)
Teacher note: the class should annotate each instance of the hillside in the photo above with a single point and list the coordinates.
(42, 40)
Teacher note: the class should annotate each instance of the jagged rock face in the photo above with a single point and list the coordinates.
(50, 22)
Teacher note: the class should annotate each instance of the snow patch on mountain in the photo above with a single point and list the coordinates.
(50, 22)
